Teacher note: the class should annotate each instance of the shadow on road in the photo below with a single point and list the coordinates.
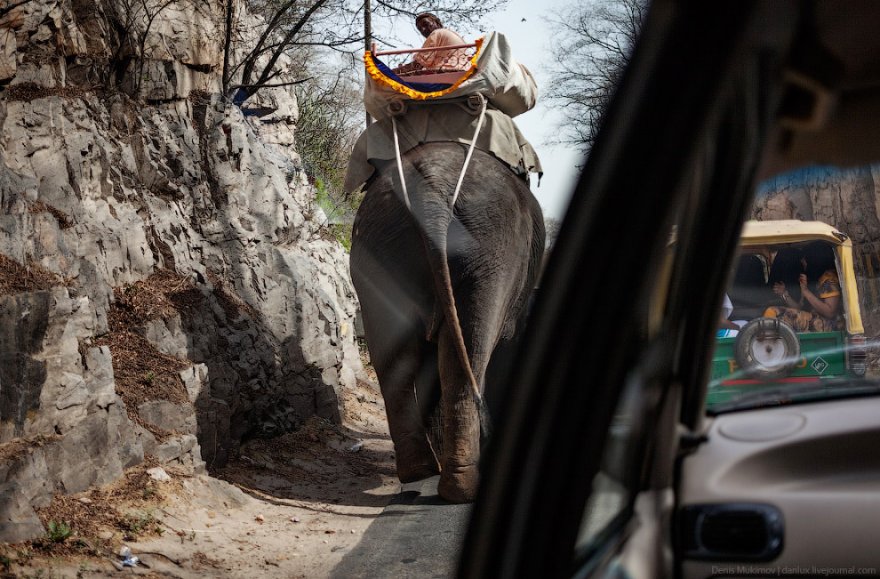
(417, 535)
(321, 463)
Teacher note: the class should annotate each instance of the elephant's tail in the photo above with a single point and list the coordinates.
(436, 231)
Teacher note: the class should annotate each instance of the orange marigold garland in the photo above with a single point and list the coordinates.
(379, 77)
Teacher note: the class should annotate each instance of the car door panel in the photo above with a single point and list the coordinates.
(819, 472)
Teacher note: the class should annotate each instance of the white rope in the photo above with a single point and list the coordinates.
(467, 159)
(400, 164)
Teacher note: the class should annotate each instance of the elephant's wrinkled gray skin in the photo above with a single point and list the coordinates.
(416, 271)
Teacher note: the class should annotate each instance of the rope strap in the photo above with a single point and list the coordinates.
(464, 167)
(467, 159)
(400, 165)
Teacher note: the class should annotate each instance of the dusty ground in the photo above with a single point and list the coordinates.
(288, 507)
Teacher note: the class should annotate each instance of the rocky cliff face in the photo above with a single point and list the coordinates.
(845, 198)
(165, 289)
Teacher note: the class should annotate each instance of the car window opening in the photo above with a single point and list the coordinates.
(791, 313)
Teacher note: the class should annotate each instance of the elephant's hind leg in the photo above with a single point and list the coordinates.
(461, 427)
(397, 369)
(428, 394)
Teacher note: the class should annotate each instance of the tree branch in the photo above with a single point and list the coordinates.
(10, 7)
(276, 85)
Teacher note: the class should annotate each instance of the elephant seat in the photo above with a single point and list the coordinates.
(427, 79)
(417, 107)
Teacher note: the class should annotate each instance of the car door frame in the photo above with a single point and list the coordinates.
(680, 87)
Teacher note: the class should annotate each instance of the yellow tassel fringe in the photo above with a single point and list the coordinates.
(381, 79)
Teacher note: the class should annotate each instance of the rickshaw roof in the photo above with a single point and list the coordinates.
(790, 231)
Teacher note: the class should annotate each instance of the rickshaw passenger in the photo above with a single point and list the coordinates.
(748, 291)
(819, 310)
(728, 328)
(787, 266)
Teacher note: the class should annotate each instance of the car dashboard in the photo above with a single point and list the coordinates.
(783, 490)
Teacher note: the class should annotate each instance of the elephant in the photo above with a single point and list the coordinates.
(441, 288)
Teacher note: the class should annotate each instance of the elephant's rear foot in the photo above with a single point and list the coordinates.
(416, 472)
(458, 484)
(415, 460)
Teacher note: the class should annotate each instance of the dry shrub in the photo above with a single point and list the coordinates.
(11, 451)
(124, 507)
(64, 221)
(233, 305)
(28, 91)
(149, 299)
(17, 278)
(142, 372)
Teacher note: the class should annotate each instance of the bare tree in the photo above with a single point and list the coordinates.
(593, 48)
(291, 25)
(134, 24)
(330, 105)
(551, 228)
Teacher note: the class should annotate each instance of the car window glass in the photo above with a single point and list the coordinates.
(613, 491)
(801, 296)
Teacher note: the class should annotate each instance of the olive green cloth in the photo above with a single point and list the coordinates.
(449, 121)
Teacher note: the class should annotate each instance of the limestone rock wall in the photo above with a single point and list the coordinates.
(847, 199)
(163, 288)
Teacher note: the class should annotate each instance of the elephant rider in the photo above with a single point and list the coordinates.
(436, 36)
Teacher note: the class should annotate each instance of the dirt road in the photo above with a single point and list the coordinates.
(287, 507)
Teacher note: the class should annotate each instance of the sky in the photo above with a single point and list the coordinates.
(529, 34)
(530, 39)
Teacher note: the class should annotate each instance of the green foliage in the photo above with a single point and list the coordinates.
(149, 492)
(330, 119)
(342, 233)
(58, 532)
(322, 198)
(139, 523)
